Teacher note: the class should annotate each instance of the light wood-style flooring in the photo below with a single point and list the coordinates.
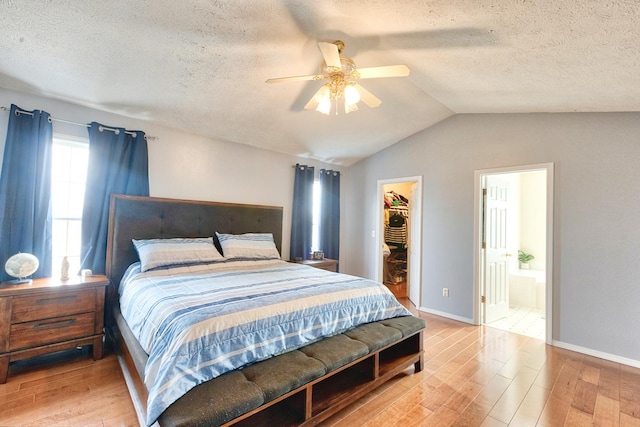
(473, 376)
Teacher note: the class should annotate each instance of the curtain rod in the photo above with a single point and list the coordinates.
(341, 173)
(152, 138)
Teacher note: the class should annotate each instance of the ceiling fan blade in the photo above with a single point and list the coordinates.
(330, 54)
(384, 71)
(444, 38)
(367, 97)
(314, 101)
(295, 78)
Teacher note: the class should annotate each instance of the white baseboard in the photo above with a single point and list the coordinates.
(598, 354)
(561, 344)
(447, 315)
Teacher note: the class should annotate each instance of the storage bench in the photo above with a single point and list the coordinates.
(307, 385)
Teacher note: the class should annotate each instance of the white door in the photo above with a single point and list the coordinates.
(496, 268)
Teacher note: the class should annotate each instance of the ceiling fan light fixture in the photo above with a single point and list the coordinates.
(351, 94)
(348, 108)
(323, 98)
(324, 106)
(351, 98)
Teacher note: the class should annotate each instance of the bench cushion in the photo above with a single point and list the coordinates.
(283, 373)
(408, 325)
(374, 335)
(336, 351)
(214, 402)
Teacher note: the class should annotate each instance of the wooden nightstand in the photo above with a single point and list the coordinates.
(323, 264)
(50, 315)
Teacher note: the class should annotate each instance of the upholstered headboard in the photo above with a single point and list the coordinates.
(134, 217)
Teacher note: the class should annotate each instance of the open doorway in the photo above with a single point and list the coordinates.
(514, 236)
(399, 231)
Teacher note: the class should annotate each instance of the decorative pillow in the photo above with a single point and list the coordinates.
(157, 253)
(248, 246)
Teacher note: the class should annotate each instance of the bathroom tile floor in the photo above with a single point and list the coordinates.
(524, 321)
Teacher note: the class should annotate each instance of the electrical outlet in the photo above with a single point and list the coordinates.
(445, 292)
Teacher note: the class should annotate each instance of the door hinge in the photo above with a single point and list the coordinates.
(484, 245)
(483, 299)
(484, 191)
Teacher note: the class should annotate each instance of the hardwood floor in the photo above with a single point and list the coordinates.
(70, 389)
(473, 376)
(481, 376)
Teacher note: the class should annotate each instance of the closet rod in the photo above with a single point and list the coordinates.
(152, 138)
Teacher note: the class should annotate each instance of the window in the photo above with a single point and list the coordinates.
(68, 177)
(315, 234)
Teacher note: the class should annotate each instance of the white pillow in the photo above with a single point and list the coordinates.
(248, 246)
(158, 253)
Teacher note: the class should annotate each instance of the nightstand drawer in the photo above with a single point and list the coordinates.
(24, 335)
(44, 306)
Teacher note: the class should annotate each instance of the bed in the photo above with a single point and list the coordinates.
(331, 339)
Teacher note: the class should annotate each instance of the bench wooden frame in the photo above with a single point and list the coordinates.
(318, 400)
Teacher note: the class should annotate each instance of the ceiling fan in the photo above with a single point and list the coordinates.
(342, 76)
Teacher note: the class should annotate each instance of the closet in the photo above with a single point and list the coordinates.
(396, 238)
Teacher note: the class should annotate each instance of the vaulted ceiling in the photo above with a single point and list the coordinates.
(201, 66)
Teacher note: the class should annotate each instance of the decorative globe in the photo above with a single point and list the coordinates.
(20, 266)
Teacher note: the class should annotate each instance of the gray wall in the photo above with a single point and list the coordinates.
(596, 214)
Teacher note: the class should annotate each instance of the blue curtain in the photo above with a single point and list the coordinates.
(25, 189)
(330, 213)
(302, 213)
(118, 164)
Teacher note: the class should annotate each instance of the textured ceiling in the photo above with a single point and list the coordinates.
(201, 66)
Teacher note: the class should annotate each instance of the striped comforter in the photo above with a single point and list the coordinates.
(199, 322)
